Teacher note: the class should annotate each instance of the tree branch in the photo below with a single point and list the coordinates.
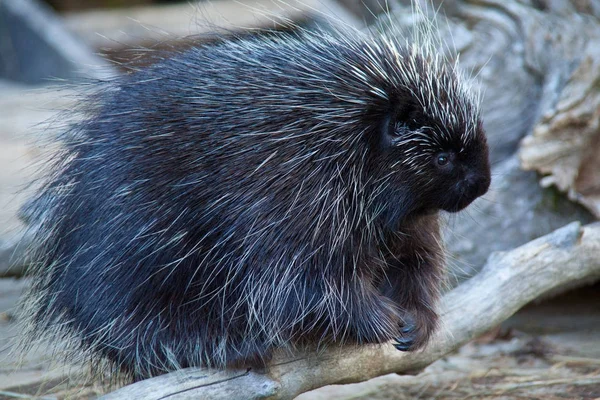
(508, 281)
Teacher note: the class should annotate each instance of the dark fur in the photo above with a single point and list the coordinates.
(246, 196)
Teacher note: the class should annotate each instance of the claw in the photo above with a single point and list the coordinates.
(402, 347)
(407, 340)
(409, 328)
(404, 344)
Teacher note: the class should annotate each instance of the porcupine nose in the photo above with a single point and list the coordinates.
(476, 184)
(473, 185)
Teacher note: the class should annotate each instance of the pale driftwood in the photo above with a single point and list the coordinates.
(508, 281)
(141, 25)
(565, 142)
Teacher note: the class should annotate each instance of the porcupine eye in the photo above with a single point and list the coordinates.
(444, 161)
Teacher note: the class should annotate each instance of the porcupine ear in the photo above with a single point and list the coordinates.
(402, 117)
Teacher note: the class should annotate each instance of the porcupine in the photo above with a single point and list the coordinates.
(253, 194)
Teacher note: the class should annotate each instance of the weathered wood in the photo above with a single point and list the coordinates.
(135, 26)
(23, 114)
(508, 281)
(565, 142)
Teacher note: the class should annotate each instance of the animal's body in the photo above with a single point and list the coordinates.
(255, 194)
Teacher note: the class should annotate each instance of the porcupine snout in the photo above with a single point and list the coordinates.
(473, 185)
(476, 184)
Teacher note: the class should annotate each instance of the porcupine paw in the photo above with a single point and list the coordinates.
(408, 333)
(414, 332)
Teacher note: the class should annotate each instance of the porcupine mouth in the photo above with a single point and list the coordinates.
(475, 188)
(459, 205)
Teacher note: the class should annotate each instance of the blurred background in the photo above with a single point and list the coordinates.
(538, 63)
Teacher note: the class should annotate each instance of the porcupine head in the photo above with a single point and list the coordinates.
(252, 194)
